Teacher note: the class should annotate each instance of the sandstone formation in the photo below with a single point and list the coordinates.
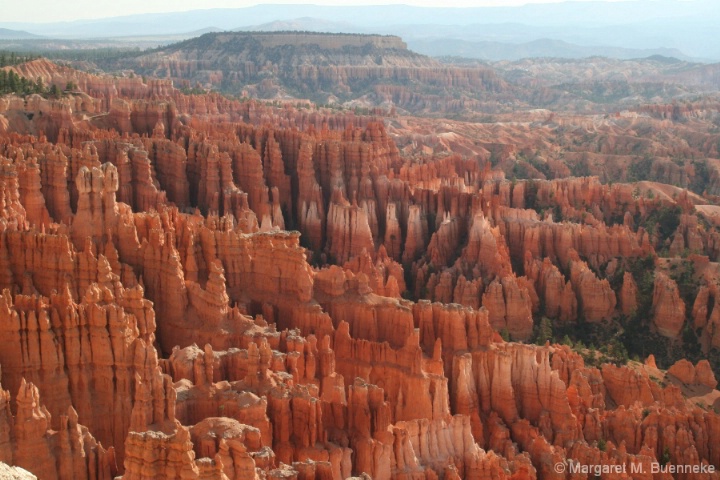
(320, 66)
(669, 309)
(196, 287)
(690, 374)
(628, 295)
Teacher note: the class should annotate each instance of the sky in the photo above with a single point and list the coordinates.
(54, 11)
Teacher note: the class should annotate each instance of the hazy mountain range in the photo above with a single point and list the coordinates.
(626, 29)
(9, 34)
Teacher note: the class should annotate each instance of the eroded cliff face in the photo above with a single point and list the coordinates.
(371, 70)
(199, 288)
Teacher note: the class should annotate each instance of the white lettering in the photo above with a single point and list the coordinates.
(596, 470)
(676, 469)
(575, 467)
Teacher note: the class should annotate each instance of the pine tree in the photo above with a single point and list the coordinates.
(544, 331)
(54, 91)
(12, 81)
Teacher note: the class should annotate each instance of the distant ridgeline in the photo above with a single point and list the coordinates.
(323, 67)
(329, 41)
(254, 42)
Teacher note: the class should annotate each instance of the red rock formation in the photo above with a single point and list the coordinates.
(704, 374)
(348, 230)
(687, 237)
(69, 452)
(683, 371)
(625, 386)
(110, 280)
(668, 307)
(509, 307)
(596, 300)
(628, 295)
(30, 192)
(385, 277)
(706, 316)
(164, 456)
(690, 374)
(558, 295)
(393, 235)
(97, 210)
(486, 247)
(416, 234)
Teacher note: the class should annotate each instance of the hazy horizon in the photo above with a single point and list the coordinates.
(488, 29)
(46, 11)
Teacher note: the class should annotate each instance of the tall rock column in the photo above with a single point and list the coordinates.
(311, 209)
(348, 230)
(97, 208)
(416, 234)
(668, 307)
